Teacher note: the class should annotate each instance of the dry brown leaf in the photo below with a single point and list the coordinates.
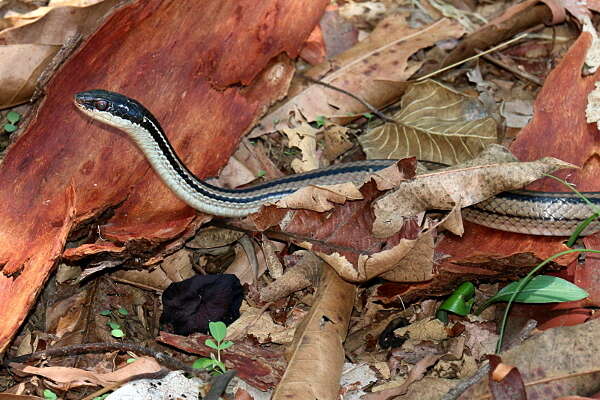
(67, 378)
(544, 356)
(260, 325)
(417, 265)
(303, 274)
(371, 70)
(449, 188)
(435, 123)
(174, 268)
(317, 354)
(320, 198)
(337, 141)
(304, 137)
(415, 374)
(35, 37)
(19, 83)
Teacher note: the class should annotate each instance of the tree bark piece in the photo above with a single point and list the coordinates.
(178, 58)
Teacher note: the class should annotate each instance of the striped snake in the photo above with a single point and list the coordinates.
(538, 213)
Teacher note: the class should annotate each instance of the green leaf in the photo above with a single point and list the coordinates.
(540, 289)
(130, 360)
(102, 397)
(218, 330)
(113, 325)
(123, 311)
(461, 300)
(203, 363)
(225, 345)
(211, 343)
(117, 333)
(368, 115)
(10, 128)
(320, 120)
(221, 366)
(49, 395)
(261, 173)
(13, 117)
(105, 313)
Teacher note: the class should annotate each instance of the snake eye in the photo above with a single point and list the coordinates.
(101, 105)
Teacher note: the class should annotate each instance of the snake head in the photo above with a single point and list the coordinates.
(112, 108)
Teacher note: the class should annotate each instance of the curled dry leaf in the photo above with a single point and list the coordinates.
(371, 70)
(415, 374)
(317, 354)
(436, 124)
(460, 186)
(304, 137)
(303, 274)
(34, 38)
(68, 378)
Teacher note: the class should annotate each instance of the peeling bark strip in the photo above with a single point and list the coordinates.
(178, 57)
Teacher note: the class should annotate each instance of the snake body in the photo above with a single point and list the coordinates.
(539, 213)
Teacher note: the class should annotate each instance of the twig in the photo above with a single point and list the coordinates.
(355, 97)
(463, 385)
(516, 38)
(525, 75)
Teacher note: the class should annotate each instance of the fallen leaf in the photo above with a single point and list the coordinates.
(415, 374)
(317, 354)
(543, 357)
(457, 186)
(435, 123)
(67, 378)
(35, 37)
(370, 70)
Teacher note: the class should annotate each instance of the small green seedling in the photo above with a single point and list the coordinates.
(540, 289)
(368, 116)
(218, 330)
(261, 173)
(459, 302)
(49, 395)
(115, 328)
(13, 119)
(320, 121)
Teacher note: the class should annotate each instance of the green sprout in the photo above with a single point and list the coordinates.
(218, 330)
(13, 119)
(459, 302)
(49, 395)
(320, 121)
(115, 328)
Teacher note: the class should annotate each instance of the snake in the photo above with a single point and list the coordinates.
(520, 211)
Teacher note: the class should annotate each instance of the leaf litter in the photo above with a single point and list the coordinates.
(387, 230)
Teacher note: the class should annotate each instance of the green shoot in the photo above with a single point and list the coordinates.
(524, 282)
(320, 121)
(218, 331)
(115, 328)
(459, 302)
(13, 118)
(540, 289)
(49, 395)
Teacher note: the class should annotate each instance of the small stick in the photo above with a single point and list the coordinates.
(525, 75)
(516, 38)
(355, 97)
